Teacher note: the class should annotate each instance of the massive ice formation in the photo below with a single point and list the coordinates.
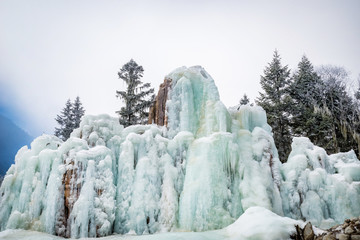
(200, 171)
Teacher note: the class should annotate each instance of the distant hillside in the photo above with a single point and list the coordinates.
(12, 138)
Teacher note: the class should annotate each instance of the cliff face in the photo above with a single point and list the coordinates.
(157, 113)
(200, 172)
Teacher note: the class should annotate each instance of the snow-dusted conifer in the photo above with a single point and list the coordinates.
(306, 84)
(138, 96)
(69, 119)
(340, 108)
(357, 93)
(244, 100)
(66, 122)
(77, 112)
(275, 101)
(306, 96)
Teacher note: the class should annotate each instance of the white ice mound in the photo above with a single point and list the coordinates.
(320, 188)
(200, 172)
(260, 223)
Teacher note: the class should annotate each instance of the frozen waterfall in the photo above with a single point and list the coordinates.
(200, 172)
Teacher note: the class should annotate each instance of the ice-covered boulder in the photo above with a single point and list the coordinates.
(200, 171)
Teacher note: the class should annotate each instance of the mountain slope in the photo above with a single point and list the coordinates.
(12, 138)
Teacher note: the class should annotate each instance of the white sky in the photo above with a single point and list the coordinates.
(54, 50)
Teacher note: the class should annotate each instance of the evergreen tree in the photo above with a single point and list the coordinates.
(276, 102)
(306, 91)
(66, 122)
(357, 93)
(138, 96)
(77, 112)
(69, 119)
(342, 110)
(244, 100)
(356, 133)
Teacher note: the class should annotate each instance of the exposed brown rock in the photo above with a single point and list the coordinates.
(349, 230)
(298, 235)
(71, 190)
(71, 194)
(329, 236)
(304, 234)
(308, 232)
(157, 113)
(355, 237)
(342, 236)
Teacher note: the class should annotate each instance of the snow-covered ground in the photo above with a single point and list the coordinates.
(255, 223)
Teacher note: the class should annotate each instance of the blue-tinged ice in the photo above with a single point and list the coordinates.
(204, 170)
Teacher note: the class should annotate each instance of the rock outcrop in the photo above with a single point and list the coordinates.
(349, 230)
(307, 233)
(157, 113)
(72, 191)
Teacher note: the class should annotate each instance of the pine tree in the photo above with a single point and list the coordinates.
(66, 122)
(77, 112)
(69, 119)
(138, 96)
(244, 100)
(276, 102)
(306, 93)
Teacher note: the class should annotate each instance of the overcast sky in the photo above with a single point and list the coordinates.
(54, 50)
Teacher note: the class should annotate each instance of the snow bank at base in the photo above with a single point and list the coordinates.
(260, 223)
(256, 223)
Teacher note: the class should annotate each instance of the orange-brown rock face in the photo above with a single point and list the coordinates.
(157, 113)
(71, 194)
(71, 188)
